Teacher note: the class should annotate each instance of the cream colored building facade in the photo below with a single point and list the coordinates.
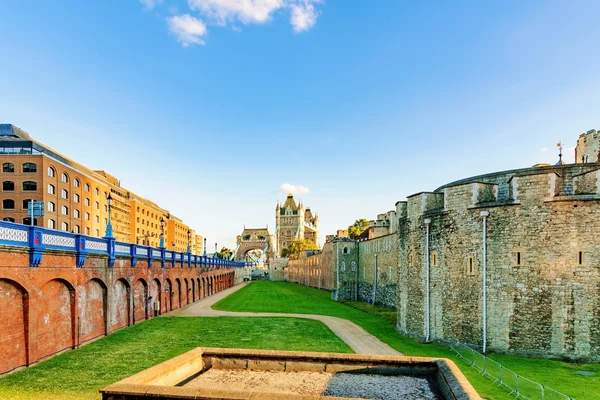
(76, 197)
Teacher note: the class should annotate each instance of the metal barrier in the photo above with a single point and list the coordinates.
(517, 385)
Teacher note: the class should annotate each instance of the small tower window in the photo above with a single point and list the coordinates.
(580, 258)
(518, 258)
(470, 270)
(434, 259)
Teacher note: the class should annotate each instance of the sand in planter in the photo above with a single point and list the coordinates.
(305, 383)
(380, 387)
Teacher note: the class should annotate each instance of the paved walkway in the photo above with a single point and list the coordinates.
(356, 337)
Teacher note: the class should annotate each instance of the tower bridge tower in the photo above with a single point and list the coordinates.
(294, 221)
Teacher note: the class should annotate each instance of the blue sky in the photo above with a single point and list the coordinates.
(208, 106)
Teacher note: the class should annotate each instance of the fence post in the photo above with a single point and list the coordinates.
(501, 382)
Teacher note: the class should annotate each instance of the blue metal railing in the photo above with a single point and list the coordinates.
(39, 240)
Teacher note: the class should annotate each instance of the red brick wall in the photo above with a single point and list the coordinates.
(57, 306)
(140, 300)
(52, 320)
(13, 320)
(91, 306)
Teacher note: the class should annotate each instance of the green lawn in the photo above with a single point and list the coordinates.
(78, 374)
(287, 297)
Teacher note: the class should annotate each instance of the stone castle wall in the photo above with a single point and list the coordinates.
(543, 260)
(542, 263)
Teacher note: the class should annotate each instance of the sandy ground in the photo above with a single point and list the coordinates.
(304, 383)
(356, 337)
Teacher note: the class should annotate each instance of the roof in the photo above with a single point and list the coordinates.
(290, 203)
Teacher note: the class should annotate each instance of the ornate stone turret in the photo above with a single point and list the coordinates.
(294, 221)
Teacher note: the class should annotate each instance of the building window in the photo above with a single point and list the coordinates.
(75, 213)
(86, 187)
(8, 204)
(97, 205)
(65, 210)
(65, 227)
(29, 167)
(29, 186)
(76, 198)
(87, 230)
(343, 266)
(470, 270)
(76, 184)
(26, 204)
(50, 189)
(434, 258)
(105, 208)
(580, 258)
(105, 221)
(9, 219)
(8, 186)
(8, 167)
(518, 258)
(87, 216)
(105, 195)
(51, 207)
(354, 266)
(51, 172)
(51, 224)
(64, 194)
(76, 229)
(87, 202)
(97, 233)
(64, 177)
(97, 191)
(97, 219)
(345, 250)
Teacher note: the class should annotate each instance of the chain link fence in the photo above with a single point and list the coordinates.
(518, 386)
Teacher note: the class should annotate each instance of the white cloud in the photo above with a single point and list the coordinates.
(303, 13)
(544, 150)
(293, 189)
(150, 4)
(187, 29)
(245, 11)
(303, 16)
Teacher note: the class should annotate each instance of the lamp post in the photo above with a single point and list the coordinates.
(109, 234)
(189, 248)
(204, 247)
(216, 255)
(162, 233)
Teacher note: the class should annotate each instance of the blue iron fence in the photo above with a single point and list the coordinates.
(39, 240)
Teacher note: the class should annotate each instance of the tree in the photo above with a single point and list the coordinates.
(224, 254)
(297, 247)
(358, 227)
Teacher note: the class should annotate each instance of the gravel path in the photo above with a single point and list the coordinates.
(356, 337)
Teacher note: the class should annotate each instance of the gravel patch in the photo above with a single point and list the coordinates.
(304, 383)
(381, 387)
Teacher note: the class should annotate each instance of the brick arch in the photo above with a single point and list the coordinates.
(14, 314)
(168, 295)
(186, 295)
(178, 292)
(120, 304)
(193, 284)
(141, 310)
(53, 319)
(154, 294)
(199, 288)
(92, 310)
(211, 288)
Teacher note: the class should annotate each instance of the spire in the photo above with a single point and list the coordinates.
(560, 149)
